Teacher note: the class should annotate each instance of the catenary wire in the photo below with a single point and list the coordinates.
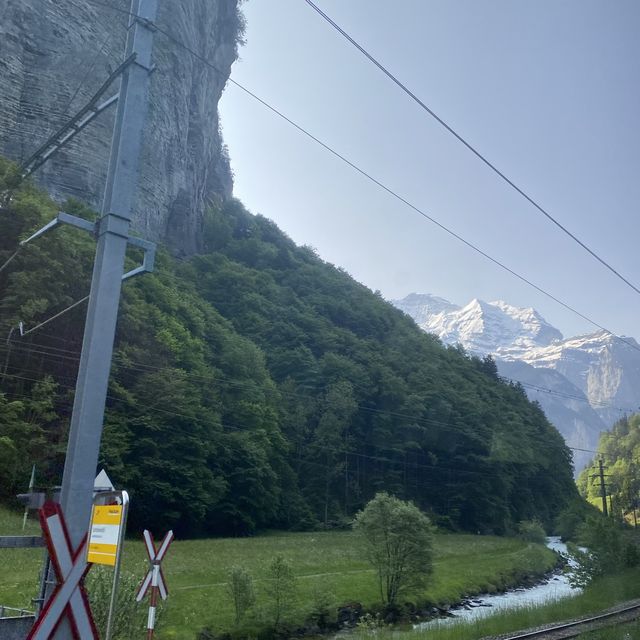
(468, 145)
(529, 385)
(363, 173)
(377, 182)
(446, 426)
(125, 363)
(228, 426)
(232, 427)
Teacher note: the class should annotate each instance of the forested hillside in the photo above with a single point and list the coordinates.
(257, 386)
(620, 452)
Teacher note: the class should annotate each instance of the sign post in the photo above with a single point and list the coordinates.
(106, 539)
(154, 578)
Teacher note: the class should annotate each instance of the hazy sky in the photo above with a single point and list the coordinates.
(548, 90)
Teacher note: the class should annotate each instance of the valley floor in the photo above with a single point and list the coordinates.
(326, 565)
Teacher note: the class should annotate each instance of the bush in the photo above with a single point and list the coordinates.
(609, 550)
(320, 612)
(282, 588)
(532, 531)
(569, 520)
(398, 541)
(130, 619)
(240, 589)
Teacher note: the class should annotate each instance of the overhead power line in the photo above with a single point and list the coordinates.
(469, 146)
(374, 180)
(233, 427)
(60, 355)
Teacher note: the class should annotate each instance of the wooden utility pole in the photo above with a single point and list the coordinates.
(603, 488)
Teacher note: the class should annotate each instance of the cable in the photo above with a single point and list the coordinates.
(422, 422)
(57, 315)
(76, 354)
(11, 257)
(583, 398)
(231, 427)
(448, 426)
(90, 68)
(375, 181)
(477, 153)
(389, 190)
(355, 167)
(62, 354)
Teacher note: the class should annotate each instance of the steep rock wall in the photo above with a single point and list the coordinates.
(54, 54)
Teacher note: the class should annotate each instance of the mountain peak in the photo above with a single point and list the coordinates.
(481, 327)
(421, 306)
(600, 370)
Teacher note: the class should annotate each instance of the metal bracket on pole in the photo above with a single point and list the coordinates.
(148, 260)
(149, 248)
(77, 123)
(63, 218)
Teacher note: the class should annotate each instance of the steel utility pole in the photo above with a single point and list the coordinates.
(112, 231)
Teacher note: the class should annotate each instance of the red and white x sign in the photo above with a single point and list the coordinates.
(155, 558)
(69, 598)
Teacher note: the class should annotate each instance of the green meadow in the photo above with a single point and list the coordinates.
(326, 565)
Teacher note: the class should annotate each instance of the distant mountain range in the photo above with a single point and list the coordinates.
(584, 384)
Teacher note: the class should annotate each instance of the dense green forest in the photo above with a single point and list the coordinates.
(256, 386)
(620, 452)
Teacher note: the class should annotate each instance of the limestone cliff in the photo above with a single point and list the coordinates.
(54, 54)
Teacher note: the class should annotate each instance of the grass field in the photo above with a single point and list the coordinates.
(327, 561)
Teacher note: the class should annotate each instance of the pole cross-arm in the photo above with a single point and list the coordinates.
(78, 122)
(148, 260)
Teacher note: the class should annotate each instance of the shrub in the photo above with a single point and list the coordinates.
(532, 531)
(130, 616)
(609, 550)
(320, 612)
(282, 588)
(240, 589)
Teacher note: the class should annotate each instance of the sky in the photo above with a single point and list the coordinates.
(549, 91)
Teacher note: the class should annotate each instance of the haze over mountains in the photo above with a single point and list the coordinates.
(584, 383)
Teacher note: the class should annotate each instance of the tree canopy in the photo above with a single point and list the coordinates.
(255, 385)
(619, 449)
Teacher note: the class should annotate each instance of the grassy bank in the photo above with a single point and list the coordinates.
(629, 631)
(600, 595)
(327, 562)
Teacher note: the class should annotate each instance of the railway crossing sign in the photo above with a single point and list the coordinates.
(154, 579)
(69, 598)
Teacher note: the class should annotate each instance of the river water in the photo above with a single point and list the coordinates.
(555, 588)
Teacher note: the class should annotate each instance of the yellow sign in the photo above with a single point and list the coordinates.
(104, 534)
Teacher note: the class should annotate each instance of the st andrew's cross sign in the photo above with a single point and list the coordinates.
(69, 598)
(154, 579)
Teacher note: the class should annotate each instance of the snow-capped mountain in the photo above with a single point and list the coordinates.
(584, 383)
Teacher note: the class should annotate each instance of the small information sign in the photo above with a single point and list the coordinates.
(104, 534)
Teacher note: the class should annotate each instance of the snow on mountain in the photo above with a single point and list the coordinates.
(422, 306)
(582, 382)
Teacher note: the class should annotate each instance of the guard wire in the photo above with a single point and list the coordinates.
(471, 148)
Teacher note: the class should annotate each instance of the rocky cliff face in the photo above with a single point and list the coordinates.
(54, 54)
(584, 383)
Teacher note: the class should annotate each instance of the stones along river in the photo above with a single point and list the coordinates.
(554, 588)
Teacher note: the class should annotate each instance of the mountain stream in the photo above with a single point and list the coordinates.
(555, 588)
